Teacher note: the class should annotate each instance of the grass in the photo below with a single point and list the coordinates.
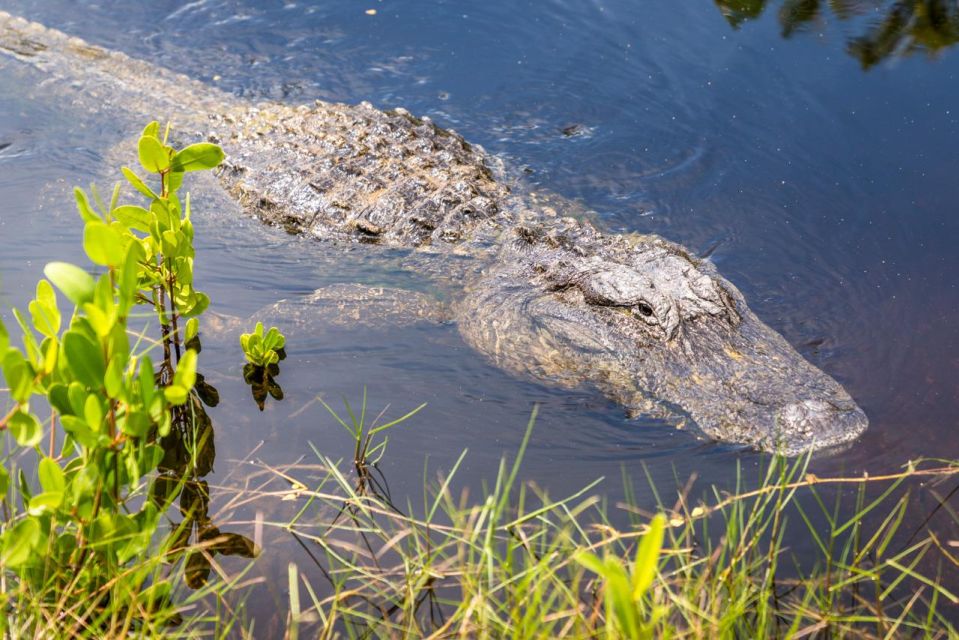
(504, 564)
(509, 561)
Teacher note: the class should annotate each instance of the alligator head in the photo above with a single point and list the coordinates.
(658, 331)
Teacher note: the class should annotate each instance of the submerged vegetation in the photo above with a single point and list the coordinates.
(107, 528)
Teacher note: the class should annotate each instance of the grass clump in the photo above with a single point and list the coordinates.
(516, 563)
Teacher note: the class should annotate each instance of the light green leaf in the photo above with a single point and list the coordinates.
(134, 217)
(174, 181)
(19, 542)
(79, 430)
(103, 244)
(84, 359)
(25, 428)
(154, 157)
(83, 206)
(137, 182)
(152, 129)
(51, 475)
(4, 339)
(130, 277)
(44, 310)
(196, 157)
(113, 379)
(19, 375)
(191, 329)
(647, 556)
(75, 283)
(46, 501)
(93, 412)
(175, 394)
(185, 375)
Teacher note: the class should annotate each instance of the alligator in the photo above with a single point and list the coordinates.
(539, 292)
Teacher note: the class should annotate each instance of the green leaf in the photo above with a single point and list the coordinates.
(44, 310)
(136, 424)
(19, 542)
(93, 412)
(152, 129)
(103, 244)
(84, 358)
(59, 398)
(113, 379)
(191, 329)
(590, 561)
(138, 183)
(19, 375)
(25, 428)
(185, 375)
(174, 181)
(75, 283)
(147, 381)
(197, 157)
(4, 483)
(51, 475)
(134, 217)
(175, 394)
(44, 502)
(30, 345)
(80, 431)
(647, 556)
(51, 350)
(130, 277)
(153, 155)
(83, 206)
(4, 339)
(201, 305)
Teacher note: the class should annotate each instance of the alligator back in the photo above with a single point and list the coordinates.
(330, 170)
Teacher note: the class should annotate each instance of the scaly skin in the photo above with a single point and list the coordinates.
(538, 292)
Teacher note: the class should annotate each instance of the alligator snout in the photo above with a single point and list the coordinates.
(818, 424)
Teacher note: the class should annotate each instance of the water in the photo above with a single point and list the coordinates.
(827, 193)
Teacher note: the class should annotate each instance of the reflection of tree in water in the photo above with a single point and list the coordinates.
(905, 26)
(188, 455)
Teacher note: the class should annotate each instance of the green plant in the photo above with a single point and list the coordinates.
(263, 350)
(102, 402)
(626, 590)
(367, 450)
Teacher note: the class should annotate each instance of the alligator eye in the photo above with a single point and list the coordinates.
(644, 309)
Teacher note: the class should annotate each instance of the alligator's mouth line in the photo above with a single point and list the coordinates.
(636, 316)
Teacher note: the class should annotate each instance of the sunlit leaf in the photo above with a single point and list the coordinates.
(137, 182)
(199, 156)
(103, 244)
(19, 542)
(647, 556)
(25, 428)
(75, 283)
(134, 217)
(51, 475)
(85, 359)
(153, 155)
(83, 206)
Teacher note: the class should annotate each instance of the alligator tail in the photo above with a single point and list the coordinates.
(99, 78)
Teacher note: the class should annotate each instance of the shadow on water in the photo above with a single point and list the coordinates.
(895, 29)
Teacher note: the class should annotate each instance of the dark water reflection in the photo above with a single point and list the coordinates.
(828, 195)
(894, 28)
